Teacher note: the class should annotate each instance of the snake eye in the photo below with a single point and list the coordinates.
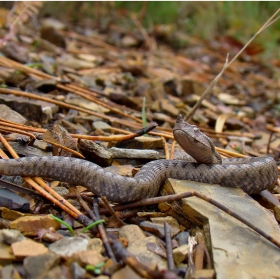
(196, 129)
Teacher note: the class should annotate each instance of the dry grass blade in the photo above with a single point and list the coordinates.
(227, 64)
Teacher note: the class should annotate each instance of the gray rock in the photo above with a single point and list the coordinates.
(237, 250)
(67, 246)
(11, 236)
(138, 246)
(36, 266)
(10, 115)
(182, 238)
(77, 271)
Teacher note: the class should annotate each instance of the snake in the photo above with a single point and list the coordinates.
(252, 174)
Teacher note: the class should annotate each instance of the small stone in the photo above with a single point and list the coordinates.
(277, 212)
(37, 265)
(88, 257)
(180, 253)
(126, 273)
(11, 214)
(141, 142)
(73, 127)
(68, 60)
(46, 85)
(95, 244)
(168, 108)
(203, 274)
(157, 226)
(161, 220)
(100, 125)
(129, 41)
(182, 238)
(27, 247)
(137, 245)
(230, 99)
(30, 225)
(132, 232)
(13, 201)
(123, 170)
(61, 190)
(11, 236)
(8, 114)
(6, 256)
(68, 246)
(58, 272)
(77, 271)
(95, 152)
(10, 272)
(30, 109)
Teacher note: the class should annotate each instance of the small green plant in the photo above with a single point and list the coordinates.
(92, 225)
(63, 223)
(34, 65)
(71, 229)
(96, 269)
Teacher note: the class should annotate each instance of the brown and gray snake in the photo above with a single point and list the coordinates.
(251, 174)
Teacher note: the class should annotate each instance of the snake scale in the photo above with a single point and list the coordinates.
(251, 174)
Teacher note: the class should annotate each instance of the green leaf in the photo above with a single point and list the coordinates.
(64, 223)
(92, 225)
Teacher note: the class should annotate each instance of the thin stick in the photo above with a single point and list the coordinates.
(169, 253)
(102, 232)
(226, 65)
(111, 210)
(174, 197)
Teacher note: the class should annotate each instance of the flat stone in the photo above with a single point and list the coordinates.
(27, 150)
(132, 231)
(67, 246)
(10, 272)
(35, 266)
(11, 214)
(182, 238)
(36, 110)
(203, 274)
(95, 152)
(12, 200)
(6, 256)
(138, 246)
(123, 170)
(277, 212)
(238, 251)
(30, 225)
(95, 244)
(27, 247)
(58, 272)
(101, 125)
(141, 142)
(126, 273)
(8, 114)
(158, 228)
(77, 271)
(180, 253)
(11, 236)
(168, 108)
(168, 219)
(88, 257)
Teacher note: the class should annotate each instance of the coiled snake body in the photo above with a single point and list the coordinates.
(251, 174)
